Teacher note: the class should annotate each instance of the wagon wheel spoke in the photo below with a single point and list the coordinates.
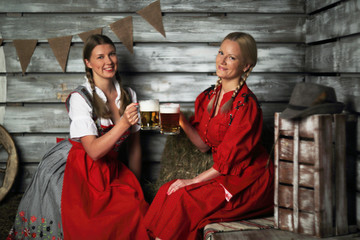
(10, 172)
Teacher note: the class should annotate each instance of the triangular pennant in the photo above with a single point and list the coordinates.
(124, 31)
(152, 14)
(61, 47)
(85, 35)
(25, 50)
(1, 40)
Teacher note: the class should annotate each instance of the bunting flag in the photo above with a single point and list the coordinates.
(25, 50)
(61, 48)
(61, 45)
(124, 31)
(152, 14)
(1, 40)
(85, 35)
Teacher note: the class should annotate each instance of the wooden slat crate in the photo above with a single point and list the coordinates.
(310, 183)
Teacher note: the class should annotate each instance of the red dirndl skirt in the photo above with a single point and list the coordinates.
(101, 199)
(183, 214)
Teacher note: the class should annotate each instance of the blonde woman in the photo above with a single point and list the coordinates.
(228, 121)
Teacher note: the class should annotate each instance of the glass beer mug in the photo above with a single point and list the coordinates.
(169, 118)
(149, 114)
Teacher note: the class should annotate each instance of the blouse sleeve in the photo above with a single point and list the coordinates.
(80, 114)
(238, 146)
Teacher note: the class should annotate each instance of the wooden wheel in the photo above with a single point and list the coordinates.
(9, 173)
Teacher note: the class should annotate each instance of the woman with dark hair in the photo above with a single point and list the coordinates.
(228, 121)
(82, 189)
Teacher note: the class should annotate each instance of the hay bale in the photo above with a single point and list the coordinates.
(180, 159)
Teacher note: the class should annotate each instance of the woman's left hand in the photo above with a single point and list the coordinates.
(179, 184)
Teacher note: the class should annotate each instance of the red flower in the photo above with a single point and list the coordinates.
(22, 214)
(42, 220)
(32, 218)
(33, 235)
(53, 238)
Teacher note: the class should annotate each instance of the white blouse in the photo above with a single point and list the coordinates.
(80, 112)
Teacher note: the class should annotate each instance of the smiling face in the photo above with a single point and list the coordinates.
(229, 61)
(103, 62)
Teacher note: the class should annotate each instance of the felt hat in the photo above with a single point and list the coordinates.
(310, 98)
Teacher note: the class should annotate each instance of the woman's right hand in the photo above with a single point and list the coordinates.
(131, 114)
(182, 119)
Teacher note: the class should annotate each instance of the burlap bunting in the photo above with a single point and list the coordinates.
(152, 14)
(25, 50)
(61, 48)
(61, 45)
(124, 31)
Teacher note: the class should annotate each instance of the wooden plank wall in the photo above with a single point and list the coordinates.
(333, 58)
(173, 69)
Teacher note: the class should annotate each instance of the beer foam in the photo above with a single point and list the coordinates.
(170, 108)
(149, 105)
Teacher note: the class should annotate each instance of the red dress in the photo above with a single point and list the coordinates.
(245, 188)
(102, 199)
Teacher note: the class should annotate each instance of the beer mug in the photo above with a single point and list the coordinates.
(169, 118)
(149, 114)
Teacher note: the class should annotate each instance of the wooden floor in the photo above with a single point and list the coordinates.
(274, 234)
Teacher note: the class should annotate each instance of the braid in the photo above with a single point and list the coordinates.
(100, 109)
(124, 96)
(227, 106)
(211, 103)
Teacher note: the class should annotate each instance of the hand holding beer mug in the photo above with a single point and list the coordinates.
(169, 118)
(149, 114)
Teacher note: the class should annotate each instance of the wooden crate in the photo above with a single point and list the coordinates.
(310, 184)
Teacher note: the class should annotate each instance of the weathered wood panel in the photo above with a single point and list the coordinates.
(306, 221)
(306, 174)
(31, 148)
(339, 56)
(306, 150)
(162, 58)
(167, 87)
(312, 5)
(276, 6)
(347, 88)
(53, 118)
(3, 87)
(178, 27)
(286, 198)
(342, 20)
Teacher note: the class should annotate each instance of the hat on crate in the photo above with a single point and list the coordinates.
(310, 98)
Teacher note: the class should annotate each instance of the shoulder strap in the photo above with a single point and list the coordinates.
(85, 94)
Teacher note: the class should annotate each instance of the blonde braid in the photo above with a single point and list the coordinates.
(227, 106)
(211, 103)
